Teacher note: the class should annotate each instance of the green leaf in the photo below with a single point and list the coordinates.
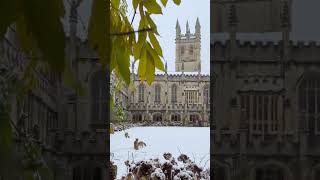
(152, 6)
(177, 2)
(157, 61)
(43, 20)
(123, 60)
(135, 4)
(151, 23)
(139, 45)
(164, 2)
(155, 43)
(8, 14)
(142, 68)
(150, 73)
(99, 30)
(115, 3)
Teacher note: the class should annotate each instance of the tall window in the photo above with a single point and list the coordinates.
(182, 49)
(175, 117)
(309, 104)
(206, 98)
(137, 118)
(192, 96)
(261, 111)
(157, 94)
(99, 97)
(174, 94)
(141, 93)
(87, 173)
(269, 172)
(191, 49)
(157, 117)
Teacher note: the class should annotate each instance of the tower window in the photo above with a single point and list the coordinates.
(191, 50)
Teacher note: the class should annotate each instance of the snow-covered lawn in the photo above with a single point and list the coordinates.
(192, 141)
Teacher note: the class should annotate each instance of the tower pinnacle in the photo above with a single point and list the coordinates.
(198, 27)
(178, 29)
(187, 28)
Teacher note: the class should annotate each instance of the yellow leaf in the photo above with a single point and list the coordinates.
(152, 6)
(135, 4)
(111, 130)
(177, 2)
(150, 73)
(153, 25)
(123, 61)
(48, 34)
(115, 3)
(155, 43)
(157, 61)
(99, 29)
(164, 2)
(142, 69)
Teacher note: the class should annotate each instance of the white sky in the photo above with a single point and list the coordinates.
(187, 10)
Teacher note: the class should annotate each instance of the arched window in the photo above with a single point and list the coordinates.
(157, 117)
(206, 95)
(219, 172)
(76, 173)
(97, 174)
(87, 173)
(269, 172)
(194, 119)
(99, 97)
(137, 118)
(141, 93)
(174, 94)
(175, 117)
(309, 103)
(157, 94)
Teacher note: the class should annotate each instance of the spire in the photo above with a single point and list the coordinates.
(166, 67)
(187, 28)
(198, 27)
(178, 29)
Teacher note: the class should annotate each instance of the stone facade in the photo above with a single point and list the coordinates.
(172, 98)
(266, 97)
(69, 126)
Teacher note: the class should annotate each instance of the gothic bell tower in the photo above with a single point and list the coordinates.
(188, 49)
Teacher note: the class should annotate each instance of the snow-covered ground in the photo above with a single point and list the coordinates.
(192, 141)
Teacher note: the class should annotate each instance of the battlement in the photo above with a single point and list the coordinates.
(271, 51)
(179, 76)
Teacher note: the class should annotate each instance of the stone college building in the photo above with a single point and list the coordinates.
(180, 98)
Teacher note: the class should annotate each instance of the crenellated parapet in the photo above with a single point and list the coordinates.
(265, 51)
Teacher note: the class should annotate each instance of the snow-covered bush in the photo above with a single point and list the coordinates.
(167, 169)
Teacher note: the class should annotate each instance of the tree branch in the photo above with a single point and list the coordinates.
(134, 15)
(131, 32)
